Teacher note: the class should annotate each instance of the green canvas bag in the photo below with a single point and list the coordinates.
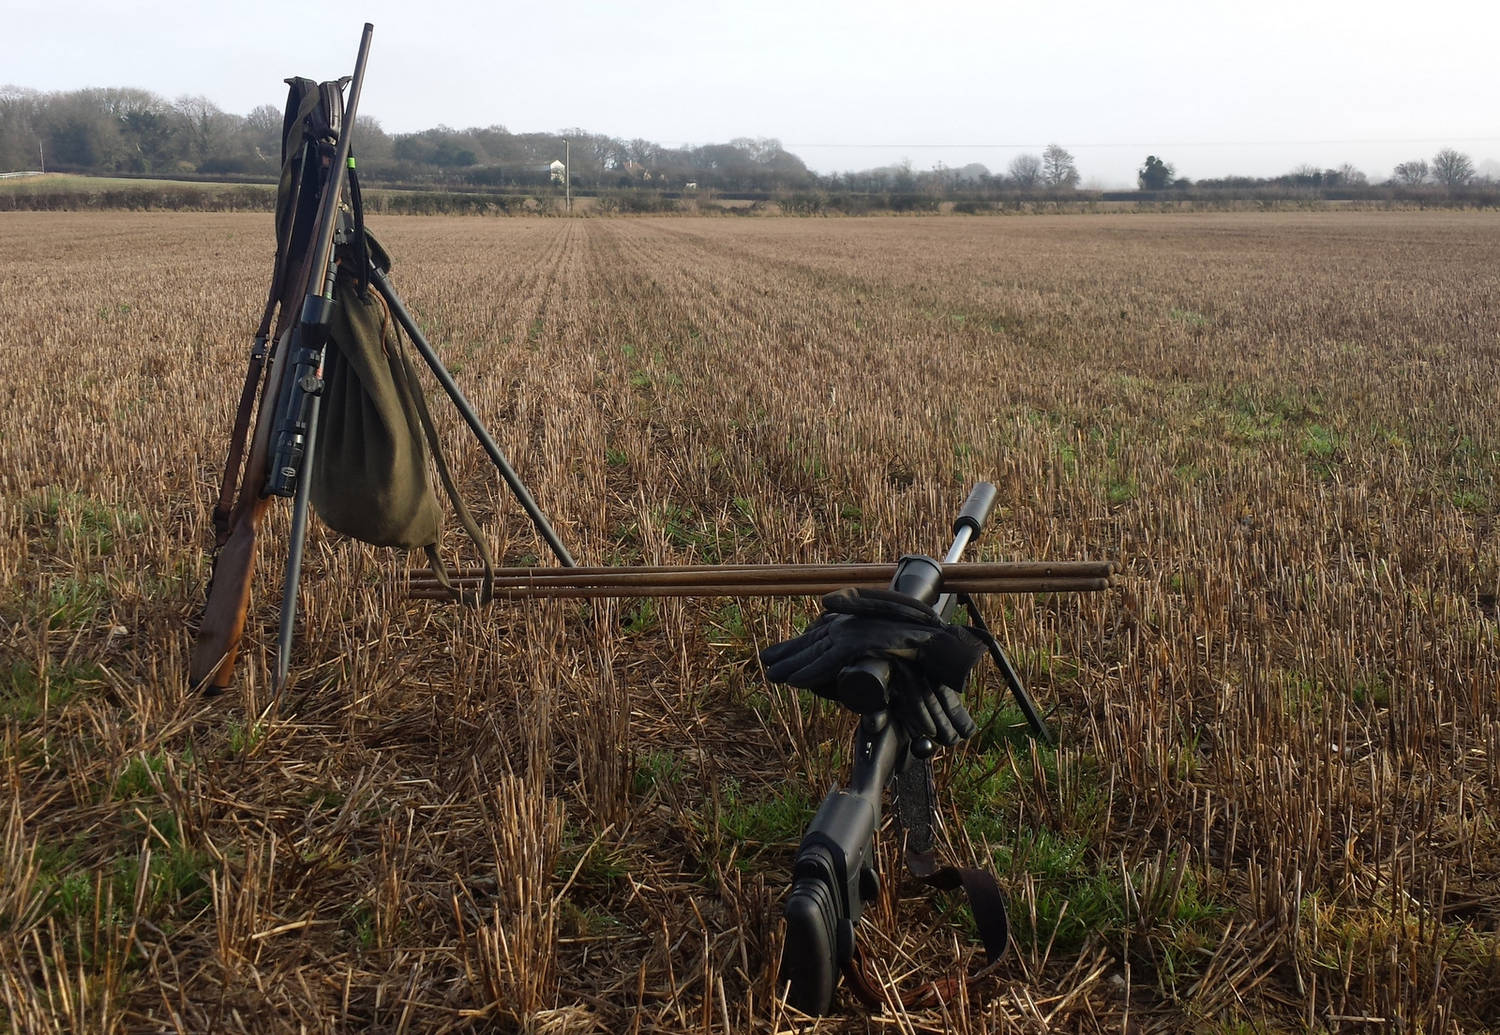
(369, 474)
(370, 470)
(370, 477)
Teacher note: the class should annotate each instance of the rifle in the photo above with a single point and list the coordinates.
(834, 876)
(286, 427)
(315, 240)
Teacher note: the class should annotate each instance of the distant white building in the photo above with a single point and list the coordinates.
(558, 170)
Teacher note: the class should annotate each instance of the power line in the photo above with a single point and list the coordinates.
(1169, 143)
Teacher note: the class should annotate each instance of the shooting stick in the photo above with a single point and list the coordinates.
(769, 580)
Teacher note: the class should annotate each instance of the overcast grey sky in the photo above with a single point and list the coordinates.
(1215, 88)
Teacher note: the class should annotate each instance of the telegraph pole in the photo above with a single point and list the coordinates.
(568, 174)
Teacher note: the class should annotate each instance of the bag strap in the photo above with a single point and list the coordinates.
(986, 902)
(915, 814)
(361, 242)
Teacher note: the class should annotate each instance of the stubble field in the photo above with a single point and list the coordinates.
(1274, 807)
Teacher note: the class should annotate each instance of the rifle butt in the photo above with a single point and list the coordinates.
(224, 616)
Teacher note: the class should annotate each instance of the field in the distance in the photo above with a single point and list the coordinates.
(1275, 803)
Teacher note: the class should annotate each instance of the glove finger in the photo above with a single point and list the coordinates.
(783, 656)
(916, 717)
(958, 715)
(817, 673)
(944, 733)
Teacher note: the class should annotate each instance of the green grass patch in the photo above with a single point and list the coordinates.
(728, 627)
(175, 880)
(72, 601)
(775, 816)
(25, 694)
(1043, 665)
(597, 864)
(244, 738)
(1320, 443)
(1074, 899)
(655, 769)
(1122, 490)
(641, 617)
(1371, 692)
(87, 184)
(73, 521)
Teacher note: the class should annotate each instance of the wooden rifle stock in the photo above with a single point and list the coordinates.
(224, 616)
(263, 347)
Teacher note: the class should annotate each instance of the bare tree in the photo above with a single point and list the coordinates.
(204, 127)
(80, 134)
(20, 138)
(643, 152)
(1346, 175)
(1411, 173)
(1305, 175)
(1025, 171)
(375, 144)
(262, 132)
(1452, 168)
(1058, 167)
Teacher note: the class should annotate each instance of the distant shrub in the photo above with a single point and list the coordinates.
(910, 202)
(436, 203)
(147, 197)
(635, 202)
(802, 202)
(854, 204)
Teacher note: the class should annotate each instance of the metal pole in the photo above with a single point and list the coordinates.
(517, 487)
(297, 545)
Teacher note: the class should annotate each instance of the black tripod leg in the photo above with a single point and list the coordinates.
(1023, 699)
(518, 489)
(1008, 672)
(300, 507)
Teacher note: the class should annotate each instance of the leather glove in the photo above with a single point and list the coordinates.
(937, 713)
(929, 658)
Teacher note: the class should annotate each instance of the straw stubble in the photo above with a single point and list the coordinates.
(1274, 804)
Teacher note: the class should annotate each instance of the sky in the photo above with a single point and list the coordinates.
(1214, 88)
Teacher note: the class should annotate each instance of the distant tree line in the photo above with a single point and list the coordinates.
(1449, 169)
(136, 132)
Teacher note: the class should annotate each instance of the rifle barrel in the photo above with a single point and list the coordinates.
(329, 202)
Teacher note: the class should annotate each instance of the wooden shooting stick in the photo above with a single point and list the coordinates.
(768, 580)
